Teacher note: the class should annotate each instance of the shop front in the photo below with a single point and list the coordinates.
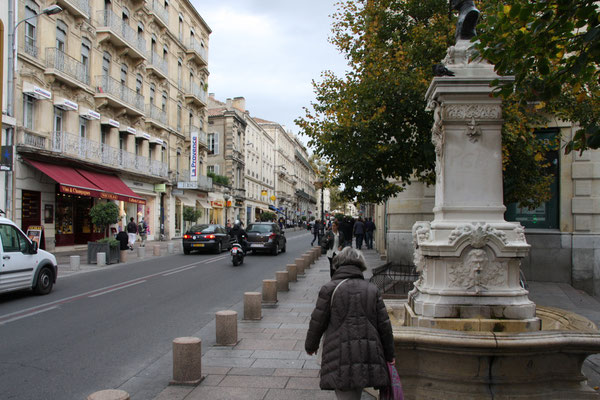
(217, 204)
(149, 210)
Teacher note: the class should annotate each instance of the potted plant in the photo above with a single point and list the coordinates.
(103, 215)
(267, 216)
(191, 214)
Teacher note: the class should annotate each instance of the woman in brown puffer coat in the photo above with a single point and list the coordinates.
(358, 333)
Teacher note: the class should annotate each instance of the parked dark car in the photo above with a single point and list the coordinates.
(206, 237)
(266, 236)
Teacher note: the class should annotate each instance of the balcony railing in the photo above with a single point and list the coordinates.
(201, 135)
(79, 7)
(203, 182)
(69, 144)
(196, 46)
(155, 113)
(66, 64)
(161, 12)
(107, 85)
(30, 47)
(108, 19)
(160, 63)
(195, 90)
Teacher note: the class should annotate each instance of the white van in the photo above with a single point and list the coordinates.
(23, 265)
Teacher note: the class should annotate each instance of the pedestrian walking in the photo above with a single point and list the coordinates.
(357, 334)
(346, 228)
(369, 232)
(131, 232)
(334, 240)
(359, 232)
(143, 232)
(315, 230)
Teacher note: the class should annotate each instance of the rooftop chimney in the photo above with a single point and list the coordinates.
(239, 103)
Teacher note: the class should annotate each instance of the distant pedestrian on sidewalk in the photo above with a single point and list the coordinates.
(359, 232)
(335, 243)
(355, 355)
(131, 232)
(316, 229)
(346, 228)
(369, 232)
(143, 232)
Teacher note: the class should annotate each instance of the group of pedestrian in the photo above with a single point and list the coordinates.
(134, 229)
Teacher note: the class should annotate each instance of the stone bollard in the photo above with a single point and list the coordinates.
(111, 394)
(170, 248)
(269, 292)
(156, 250)
(187, 361)
(252, 306)
(141, 252)
(300, 267)
(101, 259)
(123, 256)
(282, 278)
(317, 250)
(293, 271)
(75, 262)
(308, 260)
(226, 328)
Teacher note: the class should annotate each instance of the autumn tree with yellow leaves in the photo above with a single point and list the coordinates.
(371, 124)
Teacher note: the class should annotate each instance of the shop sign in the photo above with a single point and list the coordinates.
(36, 91)
(114, 123)
(216, 204)
(239, 203)
(6, 159)
(263, 193)
(160, 188)
(187, 185)
(131, 130)
(77, 191)
(34, 233)
(228, 203)
(273, 198)
(102, 195)
(109, 196)
(177, 192)
(194, 156)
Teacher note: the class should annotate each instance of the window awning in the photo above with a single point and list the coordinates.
(204, 204)
(112, 185)
(85, 183)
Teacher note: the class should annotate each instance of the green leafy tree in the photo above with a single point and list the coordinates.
(191, 214)
(103, 215)
(552, 48)
(371, 125)
(267, 216)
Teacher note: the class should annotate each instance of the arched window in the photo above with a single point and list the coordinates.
(61, 35)
(152, 93)
(179, 72)
(180, 28)
(125, 14)
(140, 30)
(179, 112)
(164, 101)
(106, 64)
(138, 84)
(124, 71)
(165, 52)
(153, 43)
(86, 45)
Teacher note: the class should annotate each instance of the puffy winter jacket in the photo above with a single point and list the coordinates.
(358, 333)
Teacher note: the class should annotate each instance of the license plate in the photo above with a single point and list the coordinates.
(256, 245)
(198, 245)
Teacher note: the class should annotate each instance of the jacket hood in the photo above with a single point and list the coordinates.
(347, 271)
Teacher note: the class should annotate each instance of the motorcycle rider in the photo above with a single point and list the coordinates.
(239, 234)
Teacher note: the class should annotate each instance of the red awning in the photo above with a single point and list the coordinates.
(112, 185)
(69, 180)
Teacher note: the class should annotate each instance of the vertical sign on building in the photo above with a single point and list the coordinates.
(194, 156)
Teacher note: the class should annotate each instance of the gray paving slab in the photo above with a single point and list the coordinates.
(227, 393)
(276, 382)
(277, 354)
(301, 373)
(295, 394)
(277, 363)
(263, 344)
(254, 371)
(216, 353)
(303, 383)
(227, 362)
(212, 380)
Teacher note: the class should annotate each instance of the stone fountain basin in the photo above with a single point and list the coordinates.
(455, 365)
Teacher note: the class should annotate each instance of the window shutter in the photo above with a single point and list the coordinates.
(217, 169)
(216, 143)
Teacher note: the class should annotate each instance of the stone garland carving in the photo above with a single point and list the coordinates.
(478, 234)
(473, 131)
(477, 111)
(437, 133)
(477, 272)
(420, 232)
(520, 232)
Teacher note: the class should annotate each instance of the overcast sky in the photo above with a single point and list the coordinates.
(268, 51)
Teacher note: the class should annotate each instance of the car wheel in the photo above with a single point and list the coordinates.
(275, 250)
(44, 282)
(283, 248)
(219, 248)
(186, 251)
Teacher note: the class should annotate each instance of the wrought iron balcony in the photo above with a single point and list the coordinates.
(197, 52)
(120, 34)
(203, 183)
(160, 12)
(79, 8)
(156, 116)
(119, 95)
(201, 135)
(158, 65)
(195, 94)
(66, 68)
(30, 48)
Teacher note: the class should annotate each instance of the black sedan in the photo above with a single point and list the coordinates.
(266, 236)
(206, 237)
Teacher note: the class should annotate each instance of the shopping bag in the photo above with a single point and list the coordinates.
(394, 390)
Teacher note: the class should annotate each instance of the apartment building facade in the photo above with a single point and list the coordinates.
(306, 201)
(110, 105)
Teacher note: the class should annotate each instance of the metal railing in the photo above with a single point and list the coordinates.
(66, 64)
(159, 63)
(156, 114)
(395, 281)
(160, 11)
(202, 137)
(83, 5)
(196, 91)
(106, 18)
(30, 47)
(193, 44)
(108, 85)
(204, 182)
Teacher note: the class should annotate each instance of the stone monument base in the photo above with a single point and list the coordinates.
(471, 324)
(439, 364)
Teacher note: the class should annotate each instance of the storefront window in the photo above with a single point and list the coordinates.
(177, 218)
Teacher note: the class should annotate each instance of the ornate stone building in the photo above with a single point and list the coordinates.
(110, 105)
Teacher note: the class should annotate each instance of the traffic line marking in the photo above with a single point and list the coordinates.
(18, 317)
(117, 288)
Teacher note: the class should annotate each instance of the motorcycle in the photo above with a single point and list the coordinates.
(237, 253)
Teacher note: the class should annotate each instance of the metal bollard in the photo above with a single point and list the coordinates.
(156, 250)
(269, 292)
(252, 306)
(187, 361)
(226, 328)
(75, 262)
(300, 267)
(111, 394)
(170, 248)
(293, 271)
(101, 259)
(282, 278)
(141, 252)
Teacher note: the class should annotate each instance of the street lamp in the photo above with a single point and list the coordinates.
(226, 197)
